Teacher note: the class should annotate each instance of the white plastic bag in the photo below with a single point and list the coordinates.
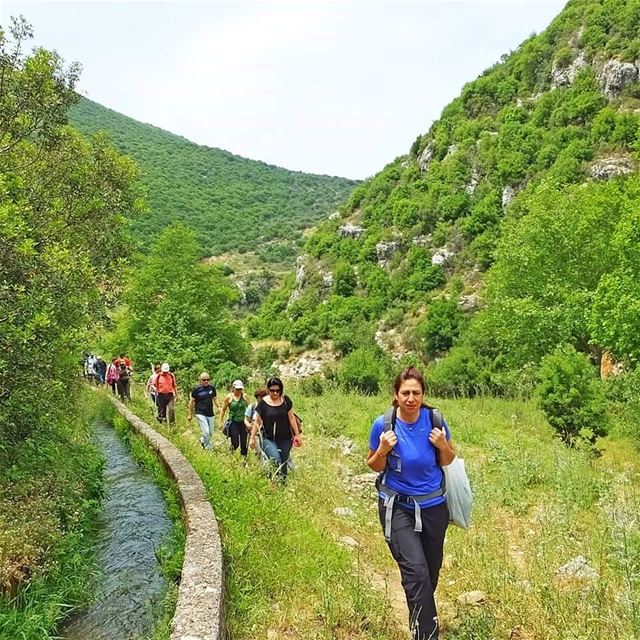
(458, 493)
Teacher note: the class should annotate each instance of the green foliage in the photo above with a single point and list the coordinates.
(345, 280)
(623, 399)
(233, 204)
(552, 268)
(226, 372)
(462, 373)
(443, 324)
(63, 214)
(178, 309)
(571, 396)
(364, 370)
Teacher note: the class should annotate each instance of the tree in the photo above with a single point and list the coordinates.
(549, 264)
(178, 308)
(571, 397)
(63, 216)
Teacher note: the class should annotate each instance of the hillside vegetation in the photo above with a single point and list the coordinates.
(509, 228)
(231, 202)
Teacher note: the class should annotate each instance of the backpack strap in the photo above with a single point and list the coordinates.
(436, 423)
(390, 419)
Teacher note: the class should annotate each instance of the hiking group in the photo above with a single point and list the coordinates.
(409, 446)
(268, 425)
(116, 374)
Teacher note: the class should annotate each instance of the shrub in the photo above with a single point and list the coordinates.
(226, 373)
(364, 370)
(462, 372)
(571, 396)
(623, 395)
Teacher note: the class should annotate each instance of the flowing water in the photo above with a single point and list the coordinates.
(133, 524)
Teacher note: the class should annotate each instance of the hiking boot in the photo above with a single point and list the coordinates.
(201, 439)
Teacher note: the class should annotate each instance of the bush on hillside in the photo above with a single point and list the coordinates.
(623, 396)
(439, 330)
(226, 373)
(462, 373)
(571, 396)
(364, 370)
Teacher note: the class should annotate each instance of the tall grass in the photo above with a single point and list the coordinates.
(537, 506)
(49, 498)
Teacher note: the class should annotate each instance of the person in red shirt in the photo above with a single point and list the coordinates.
(122, 359)
(167, 394)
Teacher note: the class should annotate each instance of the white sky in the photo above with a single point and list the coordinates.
(340, 88)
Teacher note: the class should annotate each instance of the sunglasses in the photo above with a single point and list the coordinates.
(274, 390)
(204, 379)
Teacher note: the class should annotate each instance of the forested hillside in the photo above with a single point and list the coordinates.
(508, 229)
(234, 204)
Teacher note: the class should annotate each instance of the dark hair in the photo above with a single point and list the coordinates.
(408, 373)
(260, 393)
(275, 382)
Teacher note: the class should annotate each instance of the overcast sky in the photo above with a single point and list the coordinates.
(340, 88)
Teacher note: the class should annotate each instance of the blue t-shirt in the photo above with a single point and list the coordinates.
(419, 473)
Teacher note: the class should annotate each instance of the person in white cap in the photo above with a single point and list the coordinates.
(237, 403)
(167, 393)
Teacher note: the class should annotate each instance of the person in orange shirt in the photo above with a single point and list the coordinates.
(167, 394)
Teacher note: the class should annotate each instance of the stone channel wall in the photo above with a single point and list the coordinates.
(199, 611)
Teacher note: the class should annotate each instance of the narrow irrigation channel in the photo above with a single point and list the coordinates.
(133, 525)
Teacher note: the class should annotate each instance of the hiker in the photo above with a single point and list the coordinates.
(274, 414)
(101, 368)
(122, 358)
(250, 416)
(150, 389)
(112, 376)
(167, 394)
(408, 451)
(123, 381)
(203, 400)
(237, 403)
(91, 369)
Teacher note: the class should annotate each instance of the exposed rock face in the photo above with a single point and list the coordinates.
(422, 241)
(469, 302)
(300, 271)
(612, 166)
(335, 215)
(300, 278)
(442, 256)
(308, 363)
(451, 150)
(425, 157)
(350, 231)
(508, 194)
(473, 181)
(564, 76)
(327, 280)
(385, 251)
(615, 76)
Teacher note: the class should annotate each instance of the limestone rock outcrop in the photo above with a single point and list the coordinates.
(615, 76)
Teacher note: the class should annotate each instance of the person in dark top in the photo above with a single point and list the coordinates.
(203, 400)
(274, 414)
(237, 404)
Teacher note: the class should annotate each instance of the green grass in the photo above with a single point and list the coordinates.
(537, 506)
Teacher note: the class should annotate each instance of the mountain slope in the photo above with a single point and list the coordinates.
(232, 202)
(414, 241)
